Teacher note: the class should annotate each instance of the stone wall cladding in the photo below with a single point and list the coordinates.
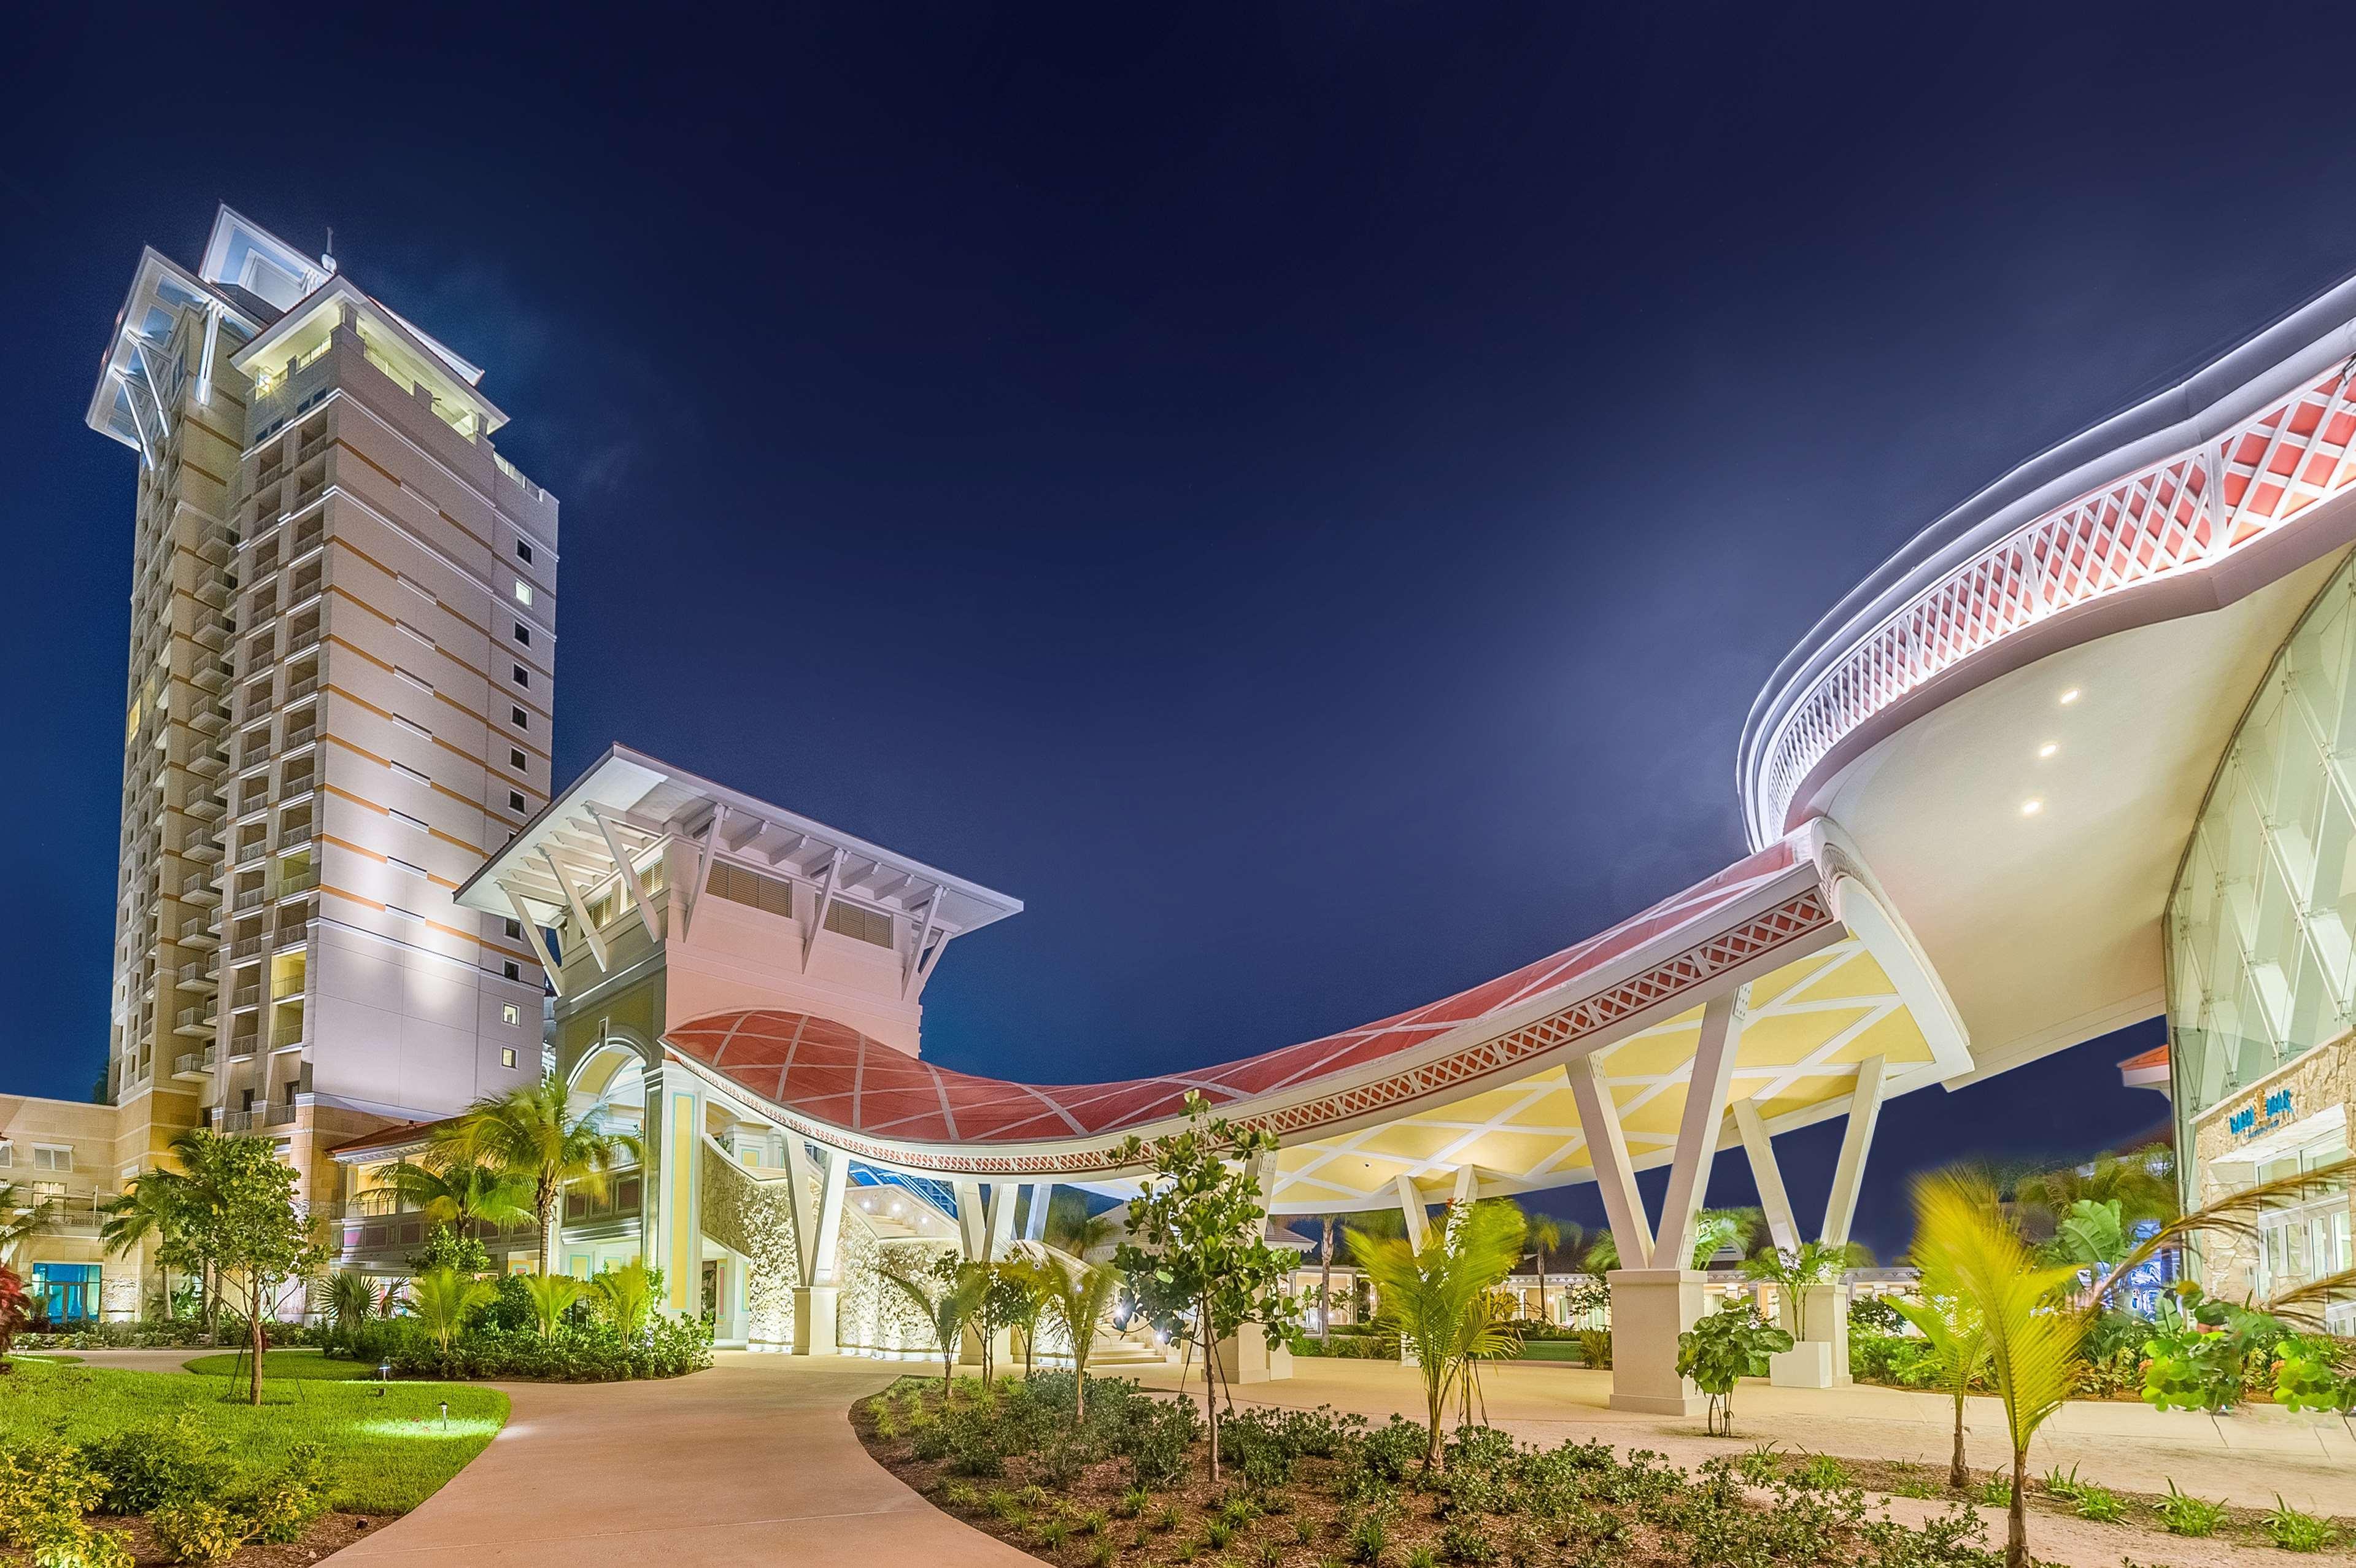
(756, 1218)
(869, 1315)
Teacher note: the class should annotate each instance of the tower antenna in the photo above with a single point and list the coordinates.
(328, 259)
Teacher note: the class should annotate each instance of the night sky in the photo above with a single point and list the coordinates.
(1303, 495)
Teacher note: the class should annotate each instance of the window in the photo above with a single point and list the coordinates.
(522, 592)
(510, 1015)
(523, 551)
(53, 1157)
(506, 1053)
(523, 634)
(522, 676)
(514, 757)
(7, 1153)
(511, 969)
(519, 718)
(866, 925)
(515, 934)
(515, 799)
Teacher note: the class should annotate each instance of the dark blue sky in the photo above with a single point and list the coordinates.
(1302, 495)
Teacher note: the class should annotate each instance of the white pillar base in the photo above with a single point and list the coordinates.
(814, 1320)
(1828, 1324)
(1650, 1307)
(1806, 1365)
(1251, 1357)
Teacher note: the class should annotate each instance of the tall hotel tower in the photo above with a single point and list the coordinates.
(343, 613)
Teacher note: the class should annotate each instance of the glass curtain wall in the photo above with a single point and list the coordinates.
(2261, 964)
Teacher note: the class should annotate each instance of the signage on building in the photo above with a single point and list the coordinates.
(2259, 1116)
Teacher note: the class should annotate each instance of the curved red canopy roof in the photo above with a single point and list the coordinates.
(831, 1073)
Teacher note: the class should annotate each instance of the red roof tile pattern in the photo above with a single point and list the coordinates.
(829, 1072)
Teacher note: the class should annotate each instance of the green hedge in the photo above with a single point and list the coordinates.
(182, 1335)
(585, 1353)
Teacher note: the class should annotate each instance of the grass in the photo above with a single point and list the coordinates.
(307, 1366)
(387, 1450)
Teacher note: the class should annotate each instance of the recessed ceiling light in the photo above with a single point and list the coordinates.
(2069, 696)
(2031, 807)
(2048, 749)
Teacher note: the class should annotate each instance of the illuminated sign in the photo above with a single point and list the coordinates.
(2259, 1116)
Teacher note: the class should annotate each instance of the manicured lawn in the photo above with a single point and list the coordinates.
(1550, 1350)
(310, 1366)
(387, 1447)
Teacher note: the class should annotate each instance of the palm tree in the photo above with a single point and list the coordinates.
(460, 1192)
(22, 1218)
(1546, 1234)
(352, 1300)
(1078, 1299)
(1439, 1297)
(1072, 1229)
(1958, 1350)
(443, 1298)
(947, 1312)
(1969, 1250)
(149, 1208)
(1795, 1272)
(533, 1134)
(1718, 1229)
(2142, 1182)
(552, 1296)
(626, 1295)
(1603, 1254)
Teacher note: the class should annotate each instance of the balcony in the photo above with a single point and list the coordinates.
(287, 1037)
(239, 1121)
(242, 1047)
(252, 899)
(298, 689)
(199, 933)
(199, 976)
(296, 786)
(209, 763)
(300, 882)
(303, 588)
(211, 674)
(301, 736)
(196, 1021)
(194, 1064)
(203, 847)
(252, 849)
(279, 1116)
(294, 835)
(210, 717)
(199, 889)
(245, 998)
(204, 808)
(248, 946)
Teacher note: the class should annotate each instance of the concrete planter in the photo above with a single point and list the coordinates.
(1807, 1365)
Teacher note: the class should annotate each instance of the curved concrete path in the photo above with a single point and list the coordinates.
(750, 1463)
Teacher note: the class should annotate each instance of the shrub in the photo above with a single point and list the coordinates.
(2296, 1532)
(2099, 1504)
(1595, 1347)
(1367, 1536)
(1464, 1542)
(1154, 1438)
(1871, 1315)
(590, 1353)
(46, 1488)
(196, 1530)
(147, 1466)
(2185, 1514)
(1822, 1473)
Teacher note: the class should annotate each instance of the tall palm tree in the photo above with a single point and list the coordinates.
(460, 1192)
(1070, 1227)
(1546, 1234)
(1603, 1254)
(1440, 1299)
(1078, 1299)
(533, 1134)
(22, 1218)
(1969, 1250)
(149, 1208)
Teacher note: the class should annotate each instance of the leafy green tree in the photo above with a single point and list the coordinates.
(1967, 1249)
(448, 1247)
(1199, 1230)
(1072, 1229)
(2090, 1234)
(260, 1241)
(946, 1304)
(1718, 1351)
(442, 1299)
(534, 1134)
(1440, 1297)
(149, 1208)
(206, 1160)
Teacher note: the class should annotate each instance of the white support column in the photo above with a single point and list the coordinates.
(1766, 1175)
(817, 1195)
(1864, 1110)
(1000, 1218)
(1607, 1150)
(1697, 1132)
(703, 871)
(580, 920)
(1034, 1219)
(1418, 1224)
(1249, 1356)
(973, 1232)
(1468, 1185)
(531, 929)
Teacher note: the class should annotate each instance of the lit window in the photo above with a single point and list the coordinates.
(509, 1015)
(507, 1054)
(522, 592)
(52, 1158)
